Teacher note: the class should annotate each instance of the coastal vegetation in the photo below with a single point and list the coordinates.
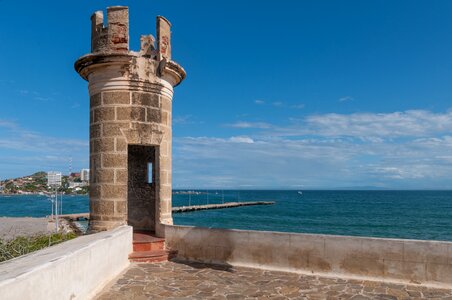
(22, 245)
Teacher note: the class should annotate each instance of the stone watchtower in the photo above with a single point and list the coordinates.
(130, 123)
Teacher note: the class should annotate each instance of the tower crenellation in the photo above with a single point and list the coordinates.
(131, 96)
(114, 37)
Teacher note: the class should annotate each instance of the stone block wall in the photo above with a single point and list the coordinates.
(119, 119)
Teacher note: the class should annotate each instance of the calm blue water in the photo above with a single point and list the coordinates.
(401, 214)
(39, 206)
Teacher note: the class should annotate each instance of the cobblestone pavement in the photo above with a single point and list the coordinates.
(173, 280)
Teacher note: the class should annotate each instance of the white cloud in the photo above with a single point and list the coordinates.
(185, 120)
(23, 140)
(408, 123)
(262, 163)
(241, 139)
(43, 99)
(280, 104)
(243, 124)
(75, 105)
(23, 151)
(181, 119)
(346, 99)
(35, 95)
(298, 106)
(8, 124)
(410, 149)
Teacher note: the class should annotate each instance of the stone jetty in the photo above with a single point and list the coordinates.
(182, 209)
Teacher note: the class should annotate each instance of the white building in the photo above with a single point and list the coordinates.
(54, 178)
(73, 185)
(84, 174)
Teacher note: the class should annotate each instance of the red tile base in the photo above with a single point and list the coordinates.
(149, 248)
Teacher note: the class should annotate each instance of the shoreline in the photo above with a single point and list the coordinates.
(12, 227)
(39, 194)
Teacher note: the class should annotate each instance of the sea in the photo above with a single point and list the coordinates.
(425, 215)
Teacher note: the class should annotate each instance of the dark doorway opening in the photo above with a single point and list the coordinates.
(141, 187)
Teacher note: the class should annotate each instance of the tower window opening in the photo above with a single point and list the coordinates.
(150, 172)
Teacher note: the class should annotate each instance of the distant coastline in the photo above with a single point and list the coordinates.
(36, 184)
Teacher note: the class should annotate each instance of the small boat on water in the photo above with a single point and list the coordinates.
(300, 192)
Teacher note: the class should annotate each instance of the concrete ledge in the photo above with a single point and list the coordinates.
(394, 260)
(76, 269)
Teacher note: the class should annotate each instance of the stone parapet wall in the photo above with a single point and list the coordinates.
(412, 261)
(76, 269)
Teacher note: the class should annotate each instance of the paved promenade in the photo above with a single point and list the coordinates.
(172, 280)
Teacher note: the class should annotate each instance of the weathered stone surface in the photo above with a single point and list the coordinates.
(96, 100)
(120, 207)
(128, 92)
(153, 115)
(118, 29)
(164, 37)
(120, 145)
(166, 104)
(114, 160)
(176, 280)
(120, 176)
(102, 207)
(145, 99)
(165, 178)
(98, 32)
(165, 118)
(110, 191)
(102, 114)
(113, 217)
(105, 176)
(165, 148)
(143, 135)
(110, 98)
(94, 191)
(113, 129)
(313, 253)
(133, 113)
(95, 131)
(102, 145)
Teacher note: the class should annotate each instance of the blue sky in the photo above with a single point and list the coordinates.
(286, 94)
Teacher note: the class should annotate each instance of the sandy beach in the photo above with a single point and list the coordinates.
(13, 227)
